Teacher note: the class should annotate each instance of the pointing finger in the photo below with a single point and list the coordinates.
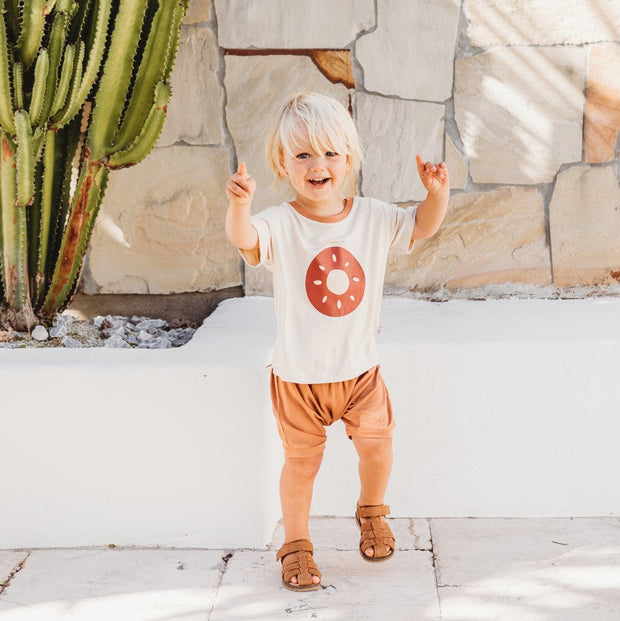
(242, 170)
(420, 163)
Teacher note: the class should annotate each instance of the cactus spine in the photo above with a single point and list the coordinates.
(84, 87)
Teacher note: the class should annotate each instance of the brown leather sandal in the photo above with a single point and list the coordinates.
(374, 533)
(297, 561)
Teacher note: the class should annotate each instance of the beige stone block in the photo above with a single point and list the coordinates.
(292, 24)
(531, 22)
(196, 108)
(198, 11)
(584, 216)
(457, 165)
(602, 116)
(161, 226)
(486, 239)
(392, 131)
(520, 112)
(411, 52)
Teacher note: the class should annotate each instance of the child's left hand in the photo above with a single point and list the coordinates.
(434, 176)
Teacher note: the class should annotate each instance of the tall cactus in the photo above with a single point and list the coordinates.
(84, 86)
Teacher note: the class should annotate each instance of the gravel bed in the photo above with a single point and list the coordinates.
(109, 331)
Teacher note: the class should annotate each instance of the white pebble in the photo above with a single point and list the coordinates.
(40, 333)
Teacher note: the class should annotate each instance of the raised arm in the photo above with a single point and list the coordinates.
(240, 191)
(432, 211)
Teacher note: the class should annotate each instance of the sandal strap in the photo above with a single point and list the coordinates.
(299, 545)
(302, 565)
(375, 533)
(372, 511)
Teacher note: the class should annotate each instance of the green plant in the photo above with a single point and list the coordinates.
(84, 87)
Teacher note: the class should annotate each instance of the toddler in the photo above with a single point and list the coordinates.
(328, 255)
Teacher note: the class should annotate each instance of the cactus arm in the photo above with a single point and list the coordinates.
(18, 85)
(24, 159)
(40, 82)
(14, 273)
(11, 8)
(85, 205)
(82, 88)
(7, 204)
(116, 78)
(67, 143)
(62, 90)
(42, 219)
(152, 67)
(55, 48)
(6, 111)
(34, 13)
(71, 104)
(150, 132)
(174, 40)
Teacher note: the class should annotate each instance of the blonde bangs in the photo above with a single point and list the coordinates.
(316, 118)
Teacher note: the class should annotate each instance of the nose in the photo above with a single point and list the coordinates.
(318, 161)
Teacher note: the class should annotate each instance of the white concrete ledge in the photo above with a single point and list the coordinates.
(503, 408)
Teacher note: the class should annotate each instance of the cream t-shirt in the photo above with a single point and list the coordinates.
(328, 275)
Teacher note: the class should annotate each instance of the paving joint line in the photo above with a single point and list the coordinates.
(434, 561)
(5, 584)
(226, 558)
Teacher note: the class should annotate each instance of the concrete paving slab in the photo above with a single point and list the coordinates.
(124, 585)
(398, 590)
(528, 570)
(331, 533)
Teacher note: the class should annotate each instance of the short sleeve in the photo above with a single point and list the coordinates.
(404, 223)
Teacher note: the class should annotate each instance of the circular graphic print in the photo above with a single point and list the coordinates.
(335, 282)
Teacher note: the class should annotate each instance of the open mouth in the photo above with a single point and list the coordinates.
(319, 182)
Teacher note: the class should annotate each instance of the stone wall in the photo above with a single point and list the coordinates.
(521, 98)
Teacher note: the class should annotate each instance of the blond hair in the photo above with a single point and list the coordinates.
(322, 120)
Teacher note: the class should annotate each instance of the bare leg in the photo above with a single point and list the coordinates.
(296, 485)
(375, 465)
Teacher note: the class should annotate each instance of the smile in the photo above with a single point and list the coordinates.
(319, 182)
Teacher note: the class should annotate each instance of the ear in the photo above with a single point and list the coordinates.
(348, 162)
(282, 167)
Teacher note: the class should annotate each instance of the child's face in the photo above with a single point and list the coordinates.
(316, 177)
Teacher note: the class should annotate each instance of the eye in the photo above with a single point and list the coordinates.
(330, 154)
(302, 156)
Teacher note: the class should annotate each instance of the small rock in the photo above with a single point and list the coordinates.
(69, 342)
(181, 336)
(144, 337)
(40, 333)
(147, 324)
(116, 341)
(131, 338)
(58, 330)
(98, 321)
(114, 331)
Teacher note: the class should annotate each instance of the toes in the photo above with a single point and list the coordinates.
(315, 579)
(293, 580)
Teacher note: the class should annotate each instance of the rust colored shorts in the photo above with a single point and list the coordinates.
(304, 410)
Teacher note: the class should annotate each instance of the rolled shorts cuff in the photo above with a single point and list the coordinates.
(304, 451)
(369, 432)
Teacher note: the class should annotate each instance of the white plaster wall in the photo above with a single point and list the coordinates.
(504, 408)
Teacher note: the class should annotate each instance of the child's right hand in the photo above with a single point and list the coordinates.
(241, 187)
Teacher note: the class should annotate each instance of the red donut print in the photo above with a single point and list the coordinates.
(335, 282)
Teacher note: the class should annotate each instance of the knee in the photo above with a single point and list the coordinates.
(374, 450)
(304, 467)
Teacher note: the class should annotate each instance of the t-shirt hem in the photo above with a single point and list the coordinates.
(319, 379)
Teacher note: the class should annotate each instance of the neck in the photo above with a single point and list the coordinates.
(332, 208)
